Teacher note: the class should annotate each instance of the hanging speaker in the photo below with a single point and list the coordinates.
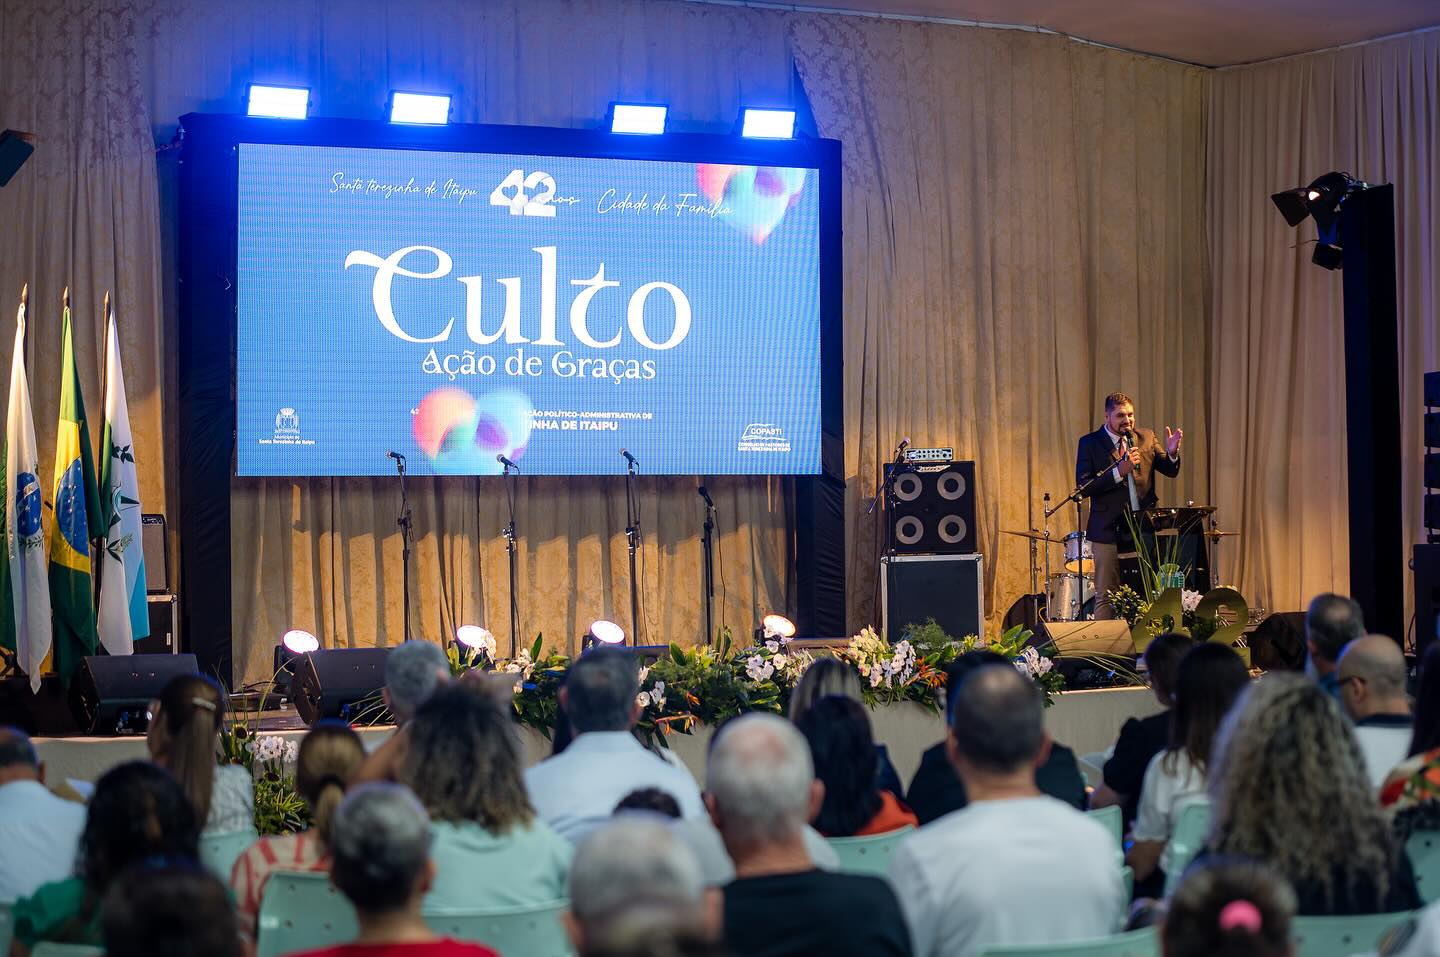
(933, 509)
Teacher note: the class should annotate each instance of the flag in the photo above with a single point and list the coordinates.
(25, 594)
(77, 519)
(124, 615)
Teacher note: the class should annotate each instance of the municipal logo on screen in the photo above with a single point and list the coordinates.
(763, 437)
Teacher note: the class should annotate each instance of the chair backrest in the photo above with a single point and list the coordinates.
(869, 854)
(302, 912)
(1423, 849)
(1191, 826)
(1342, 936)
(533, 931)
(1114, 822)
(1136, 943)
(47, 949)
(220, 850)
(7, 925)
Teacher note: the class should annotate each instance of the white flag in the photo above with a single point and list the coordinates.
(24, 534)
(124, 616)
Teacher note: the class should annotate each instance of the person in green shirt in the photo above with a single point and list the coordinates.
(137, 812)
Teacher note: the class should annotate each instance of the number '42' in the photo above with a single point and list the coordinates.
(531, 194)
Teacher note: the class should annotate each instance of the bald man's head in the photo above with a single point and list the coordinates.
(1372, 677)
(18, 759)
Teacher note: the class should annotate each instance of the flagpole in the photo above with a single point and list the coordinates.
(104, 344)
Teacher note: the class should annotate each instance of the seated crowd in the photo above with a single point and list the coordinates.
(1312, 786)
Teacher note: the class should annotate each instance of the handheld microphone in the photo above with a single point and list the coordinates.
(706, 496)
(395, 455)
(629, 458)
(500, 457)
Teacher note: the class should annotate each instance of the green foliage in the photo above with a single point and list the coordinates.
(279, 809)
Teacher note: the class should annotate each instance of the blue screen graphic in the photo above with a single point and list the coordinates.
(456, 307)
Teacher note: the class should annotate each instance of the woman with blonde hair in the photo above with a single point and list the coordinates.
(183, 738)
(830, 677)
(1288, 787)
(330, 754)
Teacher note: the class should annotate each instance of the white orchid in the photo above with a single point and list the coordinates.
(772, 646)
(780, 662)
(1190, 600)
(644, 673)
(758, 668)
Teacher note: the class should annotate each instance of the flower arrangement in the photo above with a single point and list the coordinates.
(1130, 606)
(270, 759)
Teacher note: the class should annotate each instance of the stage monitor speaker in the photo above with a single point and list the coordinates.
(110, 693)
(947, 588)
(1426, 564)
(1278, 642)
(156, 548)
(341, 683)
(934, 512)
(1109, 638)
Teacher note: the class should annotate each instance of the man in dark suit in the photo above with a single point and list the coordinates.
(1122, 461)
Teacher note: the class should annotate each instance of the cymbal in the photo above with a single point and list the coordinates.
(1036, 536)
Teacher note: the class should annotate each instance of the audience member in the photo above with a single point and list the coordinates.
(38, 831)
(1372, 678)
(576, 790)
(463, 762)
(328, 757)
(1234, 908)
(1411, 793)
(635, 861)
(413, 670)
(1014, 866)
(761, 789)
(169, 909)
(1331, 623)
(380, 860)
(650, 799)
(829, 676)
(937, 789)
(185, 725)
(1288, 787)
(138, 811)
(843, 752)
(1210, 677)
(1142, 738)
(649, 930)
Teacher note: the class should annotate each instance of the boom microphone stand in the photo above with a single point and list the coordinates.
(707, 543)
(508, 469)
(404, 521)
(632, 541)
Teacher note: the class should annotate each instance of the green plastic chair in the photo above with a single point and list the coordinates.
(869, 854)
(1343, 936)
(1136, 943)
(530, 931)
(219, 851)
(1113, 821)
(1424, 851)
(7, 925)
(48, 949)
(1185, 842)
(302, 912)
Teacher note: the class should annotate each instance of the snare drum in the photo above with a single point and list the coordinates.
(1067, 597)
(1078, 560)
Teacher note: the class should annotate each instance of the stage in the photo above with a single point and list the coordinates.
(1085, 721)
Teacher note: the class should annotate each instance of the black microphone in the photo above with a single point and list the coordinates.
(500, 457)
(629, 458)
(395, 455)
(705, 495)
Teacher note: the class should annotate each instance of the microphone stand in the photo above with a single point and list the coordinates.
(404, 521)
(707, 542)
(632, 541)
(510, 550)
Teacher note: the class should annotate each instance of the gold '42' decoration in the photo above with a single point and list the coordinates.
(1167, 613)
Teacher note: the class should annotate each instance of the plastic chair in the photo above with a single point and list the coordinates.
(1424, 851)
(7, 925)
(219, 851)
(534, 931)
(1136, 943)
(302, 912)
(1191, 826)
(869, 854)
(48, 949)
(1342, 936)
(1113, 821)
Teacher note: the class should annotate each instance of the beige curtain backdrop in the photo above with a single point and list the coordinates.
(1023, 234)
(1278, 387)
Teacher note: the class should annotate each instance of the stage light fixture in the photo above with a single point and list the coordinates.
(294, 644)
(768, 124)
(423, 108)
(278, 102)
(603, 632)
(474, 636)
(777, 626)
(298, 641)
(1322, 201)
(637, 118)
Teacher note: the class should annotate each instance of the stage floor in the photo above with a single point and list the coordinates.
(1085, 721)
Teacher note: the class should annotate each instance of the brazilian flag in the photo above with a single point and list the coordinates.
(77, 520)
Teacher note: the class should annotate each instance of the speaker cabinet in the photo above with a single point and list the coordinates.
(933, 509)
(948, 588)
(341, 683)
(110, 692)
(156, 548)
(1426, 564)
(164, 637)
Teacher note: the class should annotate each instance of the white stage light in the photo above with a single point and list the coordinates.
(637, 118)
(474, 636)
(279, 102)
(607, 632)
(429, 108)
(300, 642)
(777, 626)
(768, 124)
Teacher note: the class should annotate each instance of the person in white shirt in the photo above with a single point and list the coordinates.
(1372, 690)
(577, 789)
(1014, 866)
(39, 832)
